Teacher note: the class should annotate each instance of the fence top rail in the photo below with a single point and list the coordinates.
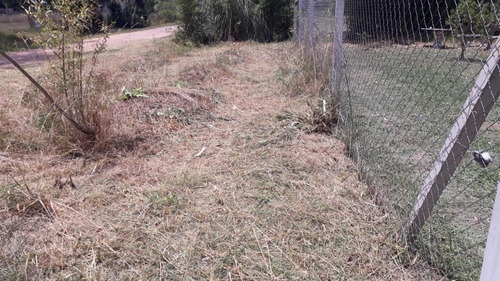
(436, 29)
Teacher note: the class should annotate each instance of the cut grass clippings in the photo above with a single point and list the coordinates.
(208, 184)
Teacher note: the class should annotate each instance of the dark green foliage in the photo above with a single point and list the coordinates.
(235, 20)
(166, 11)
(193, 21)
(10, 42)
(238, 20)
(472, 17)
(278, 16)
(123, 13)
(14, 4)
(126, 13)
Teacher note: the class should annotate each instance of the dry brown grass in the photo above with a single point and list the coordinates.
(200, 185)
(14, 23)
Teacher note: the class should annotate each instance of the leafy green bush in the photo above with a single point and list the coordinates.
(278, 16)
(193, 22)
(165, 11)
(235, 20)
(238, 20)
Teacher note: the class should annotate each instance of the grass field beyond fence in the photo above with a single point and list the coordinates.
(399, 98)
(405, 100)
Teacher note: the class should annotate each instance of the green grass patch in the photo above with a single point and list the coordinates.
(10, 42)
(404, 100)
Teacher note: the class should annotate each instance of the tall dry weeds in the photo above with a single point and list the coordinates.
(306, 71)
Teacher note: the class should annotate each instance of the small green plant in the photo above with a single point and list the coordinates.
(132, 94)
(161, 202)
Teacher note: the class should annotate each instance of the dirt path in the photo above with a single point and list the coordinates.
(225, 185)
(115, 41)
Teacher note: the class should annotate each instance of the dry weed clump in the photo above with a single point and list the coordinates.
(304, 72)
(73, 93)
(21, 199)
(63, 135)
(20, 132)
(321, 118)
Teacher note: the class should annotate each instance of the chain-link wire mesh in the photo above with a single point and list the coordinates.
(418, 79)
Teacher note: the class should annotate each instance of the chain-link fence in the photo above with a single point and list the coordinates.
(417, 101)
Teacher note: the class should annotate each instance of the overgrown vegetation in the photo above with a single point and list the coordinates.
(10, 42)
(165, 11)
(71, 78)
(222, 192)
(121, 13)
(201, 184)
(235, 20)
(474, 17)
(126, 13)
(306, 71)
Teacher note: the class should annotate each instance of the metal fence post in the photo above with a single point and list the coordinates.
(337, 45)
(310, 24)
(477, 106)
(300, 25)
(490, 270)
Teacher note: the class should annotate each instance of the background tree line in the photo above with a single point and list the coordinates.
(13, 4)
(205, 21)
(123, 13)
